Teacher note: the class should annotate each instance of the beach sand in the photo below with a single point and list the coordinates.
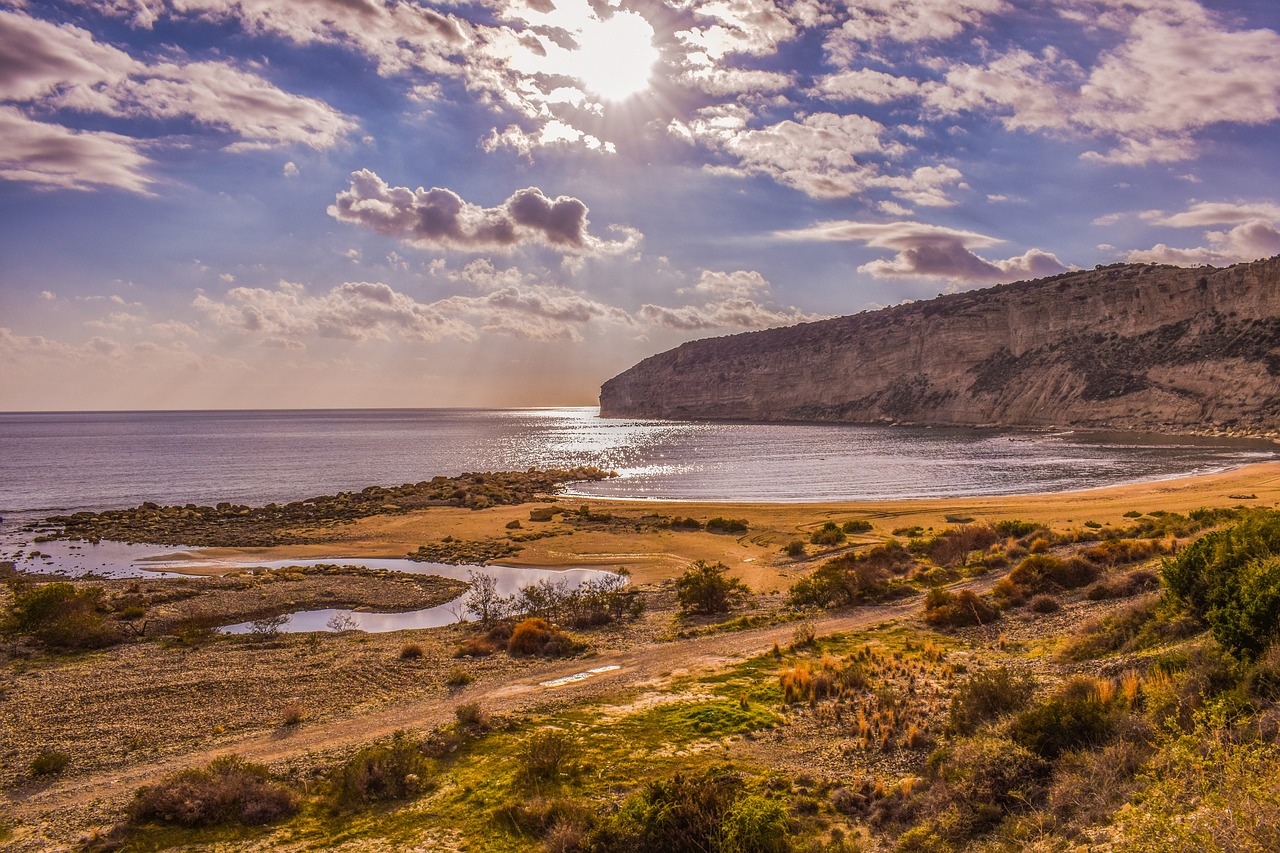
(656, 555)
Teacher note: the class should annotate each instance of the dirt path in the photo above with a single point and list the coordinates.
(646, 666)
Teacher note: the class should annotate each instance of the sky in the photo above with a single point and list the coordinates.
(354, 203)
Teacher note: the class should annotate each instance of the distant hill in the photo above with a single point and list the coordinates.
(1127, 346)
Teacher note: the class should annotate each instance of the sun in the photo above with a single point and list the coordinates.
(615, 56)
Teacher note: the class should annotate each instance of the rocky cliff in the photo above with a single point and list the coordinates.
(1129, 346)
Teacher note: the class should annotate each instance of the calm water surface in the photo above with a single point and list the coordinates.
(66, 462)
(54, 463)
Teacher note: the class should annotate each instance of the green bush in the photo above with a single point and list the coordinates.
(378, 773)
(695, 814)
(856, 526)
(1076, 717)
(1231, 580)
(794, 548)
(228, 790)
(979, 781)
(545, 756)
(726, 525)
(59, 615)
(706, 588)
(829, 535)
(987, 696)
(49, 762)
(755, 825)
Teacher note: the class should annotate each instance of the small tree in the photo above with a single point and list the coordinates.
(705, 588)
(484, 603)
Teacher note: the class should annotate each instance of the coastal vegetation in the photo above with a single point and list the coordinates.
(991, 683)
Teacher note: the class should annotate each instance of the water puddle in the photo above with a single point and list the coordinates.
(578, 676)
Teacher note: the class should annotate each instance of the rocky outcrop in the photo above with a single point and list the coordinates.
(1128, 346)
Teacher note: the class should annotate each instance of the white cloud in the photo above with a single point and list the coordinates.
(1254, 234)
(930, 251)
(1177, 70)
(56, 157)
(355, 311)
(438, 218)
(290, 170)
(871, 21)
(53, 67)
(865, 84)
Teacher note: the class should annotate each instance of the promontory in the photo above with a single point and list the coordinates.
(1126, 346)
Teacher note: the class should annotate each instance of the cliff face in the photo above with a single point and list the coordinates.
(1127, 346)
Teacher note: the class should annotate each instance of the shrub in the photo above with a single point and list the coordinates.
(1044, 604)
(984, 779)
(59, 615)
(987, 696)
(1016, 529)
(1077, 716)
(410, 651)
(1231, 580)
(679, 815)
(754, 824)
(49, 762)
(679, 523)
(536, 637)
(378, 773)
(471, 716)
(545, 756)
(727, 525)
(794, 548)
(944, 609)
(851, 578)
(293, 715)
(706, 588)
(858, 525)
(829, 535)
(458, 677)
(228, 790)
(475, 647)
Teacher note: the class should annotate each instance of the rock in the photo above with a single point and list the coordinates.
(1129, 346)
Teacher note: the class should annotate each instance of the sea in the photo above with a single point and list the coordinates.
(55, 463)
(59, 463)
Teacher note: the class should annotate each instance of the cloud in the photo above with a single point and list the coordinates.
(749, 27)
(732, 301)
(740, 283)
(372, 311)
(1177, 70)
(818, 155)
(56, 157)
(728, 314)
(865, 84)
(439, 219)
(871, 21)
(930, 251)
(290, 170)
(354, 311)
(398, 36)
(62, 68)
(1254, 234)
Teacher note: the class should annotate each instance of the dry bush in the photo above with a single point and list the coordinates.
(988, 696)
(535, 637)
(545, 756)
(943, 609)
(378, 773)
(1044, 604)
(410, 651)
(229, 790)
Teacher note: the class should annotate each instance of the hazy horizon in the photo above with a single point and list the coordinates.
(317, 204)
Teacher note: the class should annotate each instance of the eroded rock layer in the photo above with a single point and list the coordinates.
(1129, 346)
